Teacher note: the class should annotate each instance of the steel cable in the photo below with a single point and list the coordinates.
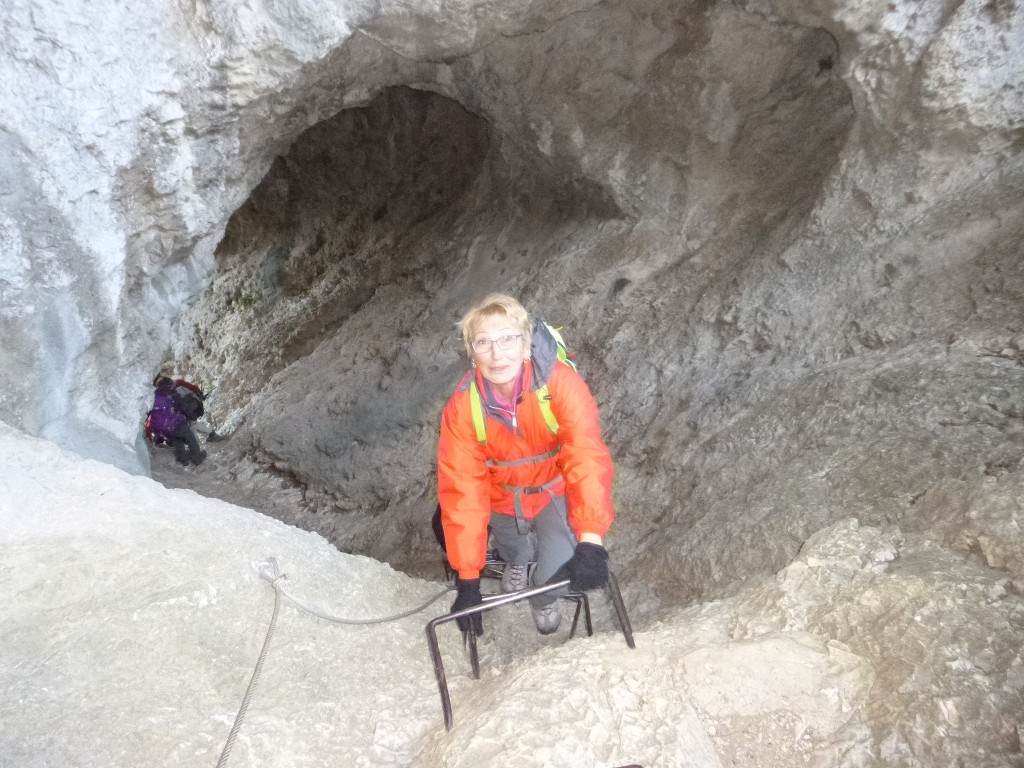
(270, 571)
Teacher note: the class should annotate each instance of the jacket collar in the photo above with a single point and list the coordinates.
(496, 409)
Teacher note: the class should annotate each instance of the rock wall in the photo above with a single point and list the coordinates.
(784, 245)
(784, 239)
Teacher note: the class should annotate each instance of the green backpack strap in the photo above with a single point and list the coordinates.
(543, 396)
(563, 351)
(544, 399)
(476, 404)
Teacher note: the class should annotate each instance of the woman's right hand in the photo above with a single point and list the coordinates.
(586, 569)
(468, 597)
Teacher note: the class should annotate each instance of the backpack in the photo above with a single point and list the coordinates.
(541, 350)
(190, 403)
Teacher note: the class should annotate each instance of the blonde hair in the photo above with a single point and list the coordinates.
(495, 304)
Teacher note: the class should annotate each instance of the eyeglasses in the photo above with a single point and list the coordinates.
(480, 346)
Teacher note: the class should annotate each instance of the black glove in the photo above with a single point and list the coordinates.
(468, 596)
(586, 569)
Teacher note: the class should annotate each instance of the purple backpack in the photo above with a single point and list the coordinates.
(165, 418)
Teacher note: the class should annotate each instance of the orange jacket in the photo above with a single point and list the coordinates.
(469, 490)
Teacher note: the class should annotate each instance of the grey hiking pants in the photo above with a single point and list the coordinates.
(548, 541)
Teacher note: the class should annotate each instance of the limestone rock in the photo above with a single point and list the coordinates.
(783, 237)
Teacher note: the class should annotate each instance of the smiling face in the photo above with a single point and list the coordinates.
(499, 366)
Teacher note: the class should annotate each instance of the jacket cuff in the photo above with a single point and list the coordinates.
(469, 574)
(590, 526)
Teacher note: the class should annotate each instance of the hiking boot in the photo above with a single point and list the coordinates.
(198, 459)
(515, 577)
(547, 618)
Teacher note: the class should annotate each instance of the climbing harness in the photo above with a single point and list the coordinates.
(269, 570)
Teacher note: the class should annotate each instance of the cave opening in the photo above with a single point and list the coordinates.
(327, 330)
(325, 334)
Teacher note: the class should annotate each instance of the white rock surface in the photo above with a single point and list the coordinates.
(136, 615)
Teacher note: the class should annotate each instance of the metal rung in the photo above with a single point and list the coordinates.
(495, 601)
